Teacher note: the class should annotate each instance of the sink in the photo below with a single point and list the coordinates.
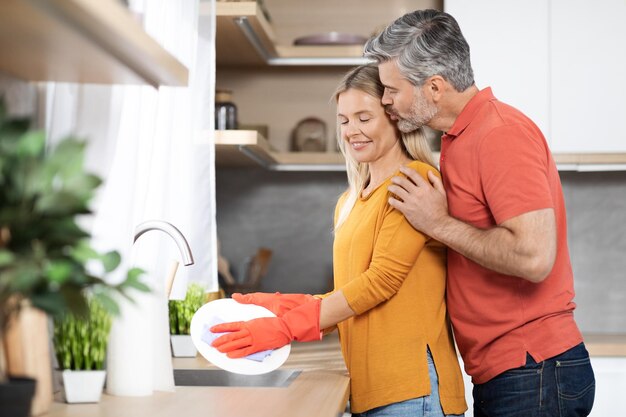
(220, 378)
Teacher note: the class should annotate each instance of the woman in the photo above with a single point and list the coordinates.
(389, 297)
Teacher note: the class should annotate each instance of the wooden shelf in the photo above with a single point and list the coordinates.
(82, 41)
(241, 148)
(332, 51)
(310, 159)
(245, 37)
(232, 47)
(245, 148)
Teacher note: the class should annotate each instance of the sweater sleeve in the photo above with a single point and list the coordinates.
(396, 250)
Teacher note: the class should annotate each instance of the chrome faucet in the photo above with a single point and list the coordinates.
(171, 230)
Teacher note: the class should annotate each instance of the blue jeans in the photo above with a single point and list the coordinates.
(427, 406)
(562, 386)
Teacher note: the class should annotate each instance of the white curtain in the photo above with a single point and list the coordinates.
(142, 142)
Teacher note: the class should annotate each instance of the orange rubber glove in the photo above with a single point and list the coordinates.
(277, 303)
(247, 337)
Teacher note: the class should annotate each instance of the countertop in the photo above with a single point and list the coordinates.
(604, 344)
(321, 389)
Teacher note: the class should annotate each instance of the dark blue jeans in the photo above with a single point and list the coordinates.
(562, 386)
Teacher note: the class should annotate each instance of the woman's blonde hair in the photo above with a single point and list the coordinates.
(365, 78)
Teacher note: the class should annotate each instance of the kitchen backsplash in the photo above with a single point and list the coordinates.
(596, 219)
(291, 213)
(288, 212)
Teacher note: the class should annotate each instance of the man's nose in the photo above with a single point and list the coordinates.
(385, 100)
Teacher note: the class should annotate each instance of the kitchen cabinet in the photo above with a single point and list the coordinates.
(82, 41)
(588, 88)
(610, 373)
(536, 58)
(509, 51)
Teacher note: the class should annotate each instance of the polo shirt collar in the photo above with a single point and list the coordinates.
(469, 112)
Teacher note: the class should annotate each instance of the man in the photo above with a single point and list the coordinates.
(500, 210)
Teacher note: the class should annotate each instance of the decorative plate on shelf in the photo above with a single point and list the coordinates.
(331, 38)
(309, 135)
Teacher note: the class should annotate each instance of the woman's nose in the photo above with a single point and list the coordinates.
(351, 129)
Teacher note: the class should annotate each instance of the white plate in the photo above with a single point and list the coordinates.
(230, 310)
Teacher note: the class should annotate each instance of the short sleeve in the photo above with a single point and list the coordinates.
(514, 172)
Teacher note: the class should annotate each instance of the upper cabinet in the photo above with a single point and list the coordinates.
(509, 51)
(560, 66)
(587, 74)
(82, 41)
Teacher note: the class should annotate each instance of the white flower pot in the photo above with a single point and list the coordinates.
(83, 386)
(182, 346)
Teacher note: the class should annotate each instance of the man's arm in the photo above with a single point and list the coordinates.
(523, 246)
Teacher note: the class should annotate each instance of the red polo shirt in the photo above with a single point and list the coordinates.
(496, 165)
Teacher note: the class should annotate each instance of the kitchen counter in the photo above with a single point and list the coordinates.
(600, 345)
(321, 389)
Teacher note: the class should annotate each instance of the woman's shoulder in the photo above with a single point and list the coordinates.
(423, 168)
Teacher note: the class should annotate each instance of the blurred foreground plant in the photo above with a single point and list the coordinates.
(45, 258)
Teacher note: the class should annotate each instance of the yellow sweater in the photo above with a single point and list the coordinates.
(393, 277)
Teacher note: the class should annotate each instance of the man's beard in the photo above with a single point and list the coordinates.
(420, 113)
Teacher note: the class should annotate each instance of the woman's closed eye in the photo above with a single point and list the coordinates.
(362, 119)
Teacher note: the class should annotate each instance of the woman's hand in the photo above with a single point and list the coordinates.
(247, 337)
(277, 303)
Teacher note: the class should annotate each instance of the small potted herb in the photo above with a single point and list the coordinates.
(181, 312)
(80, 344)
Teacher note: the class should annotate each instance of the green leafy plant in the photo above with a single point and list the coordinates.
(80, 342)
(44, 253)
(181, 311)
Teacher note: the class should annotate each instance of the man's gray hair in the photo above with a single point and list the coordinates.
(425, 43)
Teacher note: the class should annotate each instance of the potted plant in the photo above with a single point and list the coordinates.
(80, 345)
(44, 252)
(180, 313)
